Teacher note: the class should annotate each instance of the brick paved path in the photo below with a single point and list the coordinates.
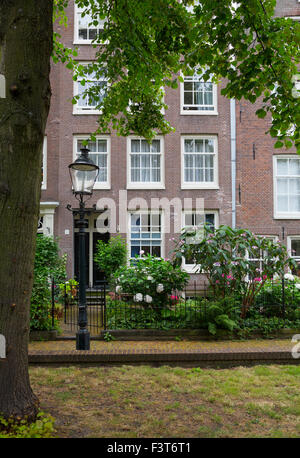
(200, 353)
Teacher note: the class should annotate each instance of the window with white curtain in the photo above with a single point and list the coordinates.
(84, 29)
(145, 234)
(145, 163)
(287, 187)
(87, 104)
(100, 155)
(199, 162)
(198, 96)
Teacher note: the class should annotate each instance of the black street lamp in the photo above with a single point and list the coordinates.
(83, 173)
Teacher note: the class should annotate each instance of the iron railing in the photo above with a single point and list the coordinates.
(188, 309)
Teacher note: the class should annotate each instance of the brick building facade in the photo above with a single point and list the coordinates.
(197, 161)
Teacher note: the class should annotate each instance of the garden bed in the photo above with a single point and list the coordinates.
(191, 334)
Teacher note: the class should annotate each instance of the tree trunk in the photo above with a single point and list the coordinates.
(26, 37)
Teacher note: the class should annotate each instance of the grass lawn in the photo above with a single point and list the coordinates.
(143, 401)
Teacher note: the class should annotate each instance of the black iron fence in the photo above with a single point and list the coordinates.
(95, 301)
(189, 309)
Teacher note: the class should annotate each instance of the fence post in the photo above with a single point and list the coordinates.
(283, 297)
(104, 306)
(52, 301)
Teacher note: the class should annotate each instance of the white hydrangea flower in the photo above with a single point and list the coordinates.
(138, 297)
(118, 289)
(160, 288)
(297, 285)
(289, 277)
(149, 278)
(148, 299)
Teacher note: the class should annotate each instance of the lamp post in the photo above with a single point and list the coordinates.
(83, 173)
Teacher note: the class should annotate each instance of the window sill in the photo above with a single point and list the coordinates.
(200, 186)
(146, 186)
(99, 187)
(288, 216)
(199, 113)
(87, 112)
(88, 42)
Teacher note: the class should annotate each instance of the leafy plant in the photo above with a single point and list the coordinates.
(68, 290)
(222, 314)
(47, 265)
(111, 255)
(108, 337)
(278, 298)
(151, 281)
(227, 258)
(43, 427)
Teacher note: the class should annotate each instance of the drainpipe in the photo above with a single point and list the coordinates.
(233, 161)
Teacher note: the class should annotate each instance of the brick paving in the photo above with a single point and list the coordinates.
(198, 353)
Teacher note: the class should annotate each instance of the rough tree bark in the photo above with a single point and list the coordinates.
(26, 37)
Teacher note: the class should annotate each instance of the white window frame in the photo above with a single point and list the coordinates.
(77, 40)
(77, 110)
(290, 238)
(162, 237)
(98, 185)
(199, 112)
(44, 182)
(277, 214)
(200, 185)
(141, 184)
(192, 268)
(274, 239)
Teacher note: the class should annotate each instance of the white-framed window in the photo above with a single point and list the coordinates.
(258, 257)
(44, 165)
(198, 96)
(199, 162)
(293, 246)
(193, 220)
(100, 154)
(86, 104)
(145, 234)
(84, 29)
(286, 187)
(145, 163)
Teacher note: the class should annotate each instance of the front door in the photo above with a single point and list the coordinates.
(93, 275)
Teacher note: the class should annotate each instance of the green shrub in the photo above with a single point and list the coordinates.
(268, 325)
(150, 281)
(269, 301)
(224, 256)
(43, 427)
(48, 264)
(110, 256)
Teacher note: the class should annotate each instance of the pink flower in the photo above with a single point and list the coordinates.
(217, 281)
(257, 279)
(223, 275)
(229, 277)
